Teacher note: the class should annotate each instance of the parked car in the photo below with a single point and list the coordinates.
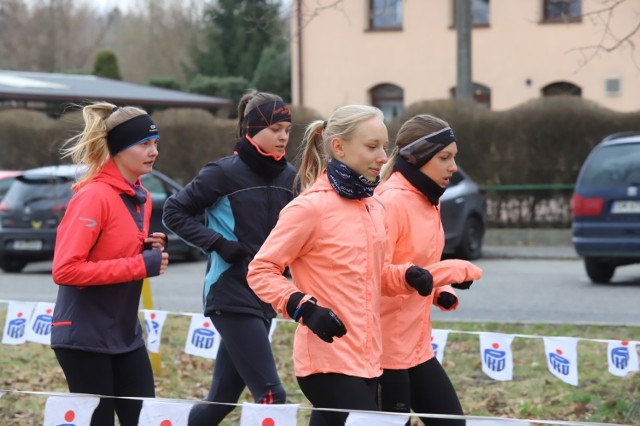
(463, 211)
(605, 206)
(6, 179)
(36, 202)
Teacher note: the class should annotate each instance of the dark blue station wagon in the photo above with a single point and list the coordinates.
(606, 206)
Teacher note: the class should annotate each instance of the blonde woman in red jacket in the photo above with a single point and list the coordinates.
(104, 250)
(333, 238)
(420, 168)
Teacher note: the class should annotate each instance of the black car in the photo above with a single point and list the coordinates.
(35, 203)
(463, 212)
(606, 206)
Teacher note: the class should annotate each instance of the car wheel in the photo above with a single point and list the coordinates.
(471, 242)
(599, 271)
(12, 264)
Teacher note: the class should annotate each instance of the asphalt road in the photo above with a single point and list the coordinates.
(551, 288)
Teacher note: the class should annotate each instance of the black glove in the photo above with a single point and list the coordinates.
(463, 286)
(322, 321)
(447, 300)
(231, 251)
(420, 279)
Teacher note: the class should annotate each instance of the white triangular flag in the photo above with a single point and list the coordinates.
(164, 413)
(496, 422)
(272, 329)
(562, 358)
(202, 339)
(269, 414)
(622, 357)
(16, 323)
(496, 355)
(69, 410)
(378, 419)
(39, 329)
(438, 343)
(154, 321)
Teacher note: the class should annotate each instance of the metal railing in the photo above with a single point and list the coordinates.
(529, 206)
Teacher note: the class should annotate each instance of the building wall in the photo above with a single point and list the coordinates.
(515, 56)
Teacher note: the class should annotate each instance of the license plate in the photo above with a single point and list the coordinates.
(625, 206)
(27, 245)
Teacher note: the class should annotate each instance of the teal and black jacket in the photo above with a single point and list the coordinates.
(238, 204)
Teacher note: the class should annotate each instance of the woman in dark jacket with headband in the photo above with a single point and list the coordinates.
(240, 196)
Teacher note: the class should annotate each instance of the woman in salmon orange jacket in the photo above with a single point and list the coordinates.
(420, 168)
(103, 252)
(333, 238)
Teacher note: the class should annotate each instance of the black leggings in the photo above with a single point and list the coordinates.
(244, 359)
(425, 388)
(332, 390)
(127, 374)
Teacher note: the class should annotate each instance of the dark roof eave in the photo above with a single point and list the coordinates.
(116, 100)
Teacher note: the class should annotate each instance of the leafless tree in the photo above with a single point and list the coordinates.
(612, 37)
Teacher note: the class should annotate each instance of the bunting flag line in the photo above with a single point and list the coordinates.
(202, 339)
(163, 413)
(562, 358)
(15, 325)
(69, 410)
(154, 322)
(269, 414)
(31, 322)
(497, 358)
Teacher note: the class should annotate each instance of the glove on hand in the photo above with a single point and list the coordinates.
(446, 300)
(463, 286)
(420, 279)
(231, 251)
(322, 321)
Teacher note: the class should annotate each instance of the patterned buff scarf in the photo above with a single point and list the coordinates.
(347, 183)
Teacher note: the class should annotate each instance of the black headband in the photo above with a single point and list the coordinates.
(264, 115)
(419, 152)
(131, 132)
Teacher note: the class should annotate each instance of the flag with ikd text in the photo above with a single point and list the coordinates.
(69, 410)
(154, 321)
(496, 355)
(622, 357)
(202, 339)
(562, 358)
(438, 343)
(16, 323)
(39, 329)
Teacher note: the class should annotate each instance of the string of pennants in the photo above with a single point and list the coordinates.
(71, 409)
(31, 322)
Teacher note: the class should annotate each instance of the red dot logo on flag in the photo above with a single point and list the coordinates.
(624, 343)
(268, 422)
(19, 315)
(495, 345)
(166, 423)
(559, 351)
(49, 311)
(69, 416)
(153, 315)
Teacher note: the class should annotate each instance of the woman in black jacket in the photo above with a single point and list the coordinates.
(240, 196)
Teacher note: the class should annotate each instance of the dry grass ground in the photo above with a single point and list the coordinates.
(533, 394)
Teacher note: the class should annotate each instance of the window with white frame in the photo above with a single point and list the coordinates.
(390, 99)
(385, 14)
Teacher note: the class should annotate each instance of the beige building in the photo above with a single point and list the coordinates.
(392, 53)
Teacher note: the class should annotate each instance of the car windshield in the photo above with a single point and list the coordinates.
(614, 165)
(38, 193)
